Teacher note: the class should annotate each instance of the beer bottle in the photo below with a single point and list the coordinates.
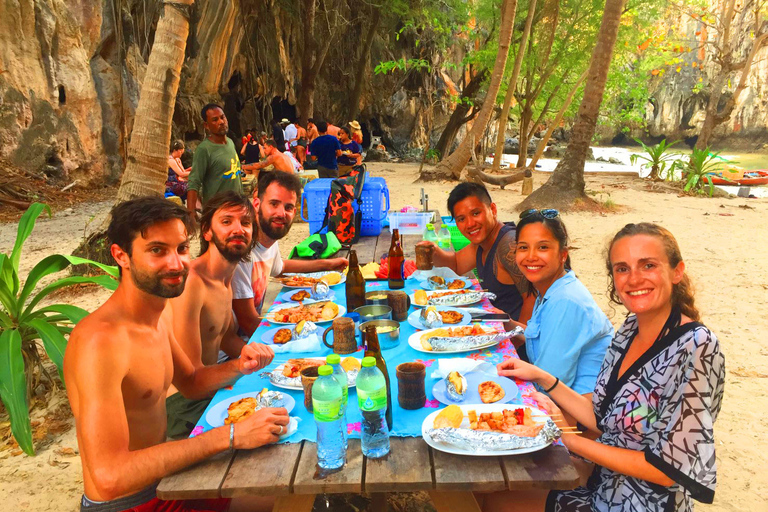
(396, 263)
(355, 286)
(373, 349)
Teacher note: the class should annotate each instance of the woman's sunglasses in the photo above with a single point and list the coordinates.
(547, 213)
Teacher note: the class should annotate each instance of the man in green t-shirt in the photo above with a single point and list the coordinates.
(216, 165)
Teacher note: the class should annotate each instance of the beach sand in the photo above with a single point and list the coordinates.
(725, 246)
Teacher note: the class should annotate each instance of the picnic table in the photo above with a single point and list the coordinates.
(288, 471)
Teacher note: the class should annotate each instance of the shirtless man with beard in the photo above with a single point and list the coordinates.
(121, 359)
(202, 315)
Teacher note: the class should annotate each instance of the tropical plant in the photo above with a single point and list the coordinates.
(24, 323)
(656, 158)
(698, 169)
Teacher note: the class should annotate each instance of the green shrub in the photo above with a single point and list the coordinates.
(698, 169)
(656, 157)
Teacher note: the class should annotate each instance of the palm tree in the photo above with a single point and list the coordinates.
(567, 181)
(452, 165)
(147, 168)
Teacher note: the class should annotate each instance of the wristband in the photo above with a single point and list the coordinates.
(231, 437)
(557, 381)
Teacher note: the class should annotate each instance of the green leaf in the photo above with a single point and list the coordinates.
(73, 313)
(56, 263)
(8, 274)
(5, 320)
(54, 343)
(105, 281)
(13, 388)
(8, 299)
(26, 225)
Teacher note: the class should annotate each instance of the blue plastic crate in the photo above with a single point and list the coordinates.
(375, 204)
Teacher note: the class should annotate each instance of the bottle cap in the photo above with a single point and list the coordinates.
(444, 226)
(325, 370)
(430, 225)
(333, 359)
(368, 362)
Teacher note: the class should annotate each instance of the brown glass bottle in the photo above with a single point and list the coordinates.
(355, 286)
(373, 349)
(396, 263)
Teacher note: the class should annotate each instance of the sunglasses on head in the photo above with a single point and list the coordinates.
(547, 213)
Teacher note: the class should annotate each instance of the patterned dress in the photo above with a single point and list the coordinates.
(664, 405)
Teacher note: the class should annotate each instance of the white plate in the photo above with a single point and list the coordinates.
(414, 340)
(467, 283)
(480, 408)
(430, 293)
(415, 321)
(218, 413)
(317, 275)
(279, 370)
(287, 296)
(270, 315)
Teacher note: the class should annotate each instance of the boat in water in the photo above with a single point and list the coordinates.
(750, 178)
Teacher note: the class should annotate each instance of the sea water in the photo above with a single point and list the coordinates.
(331, 430)
(372, 400)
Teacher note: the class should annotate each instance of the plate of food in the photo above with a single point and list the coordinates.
(332, 278)
(489, 430)
(304, 295)
(474, 388)
(237, 408)
(455, 298)
(440, 283)
(449, 317)
(294, 312)
(452, 340)
(287, 375)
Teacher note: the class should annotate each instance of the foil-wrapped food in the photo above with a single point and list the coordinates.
(452, 343)
(303, 329)
(476, 441)
(460, 299)
(278, 378)
(456, 386)
(269, 398)
(436, 283)
(320, 290)
(430, 318)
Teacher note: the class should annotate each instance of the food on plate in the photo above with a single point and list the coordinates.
(420, 297)
(456, 284)
(451, 317)
(518, 422)
(451, 416)
(299, 281)
(369, 270)
(435, 295)
(293, 367)
(282, 336)
(300, 296)
(319, 311)
(436, 282)
(451, 332)
(332, 278)
(490, 392)
(456, 385)
(350, 363)
(241, 409)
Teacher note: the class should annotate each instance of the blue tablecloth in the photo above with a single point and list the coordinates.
(406, 423)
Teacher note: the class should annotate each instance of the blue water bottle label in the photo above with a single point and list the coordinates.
(372, 401)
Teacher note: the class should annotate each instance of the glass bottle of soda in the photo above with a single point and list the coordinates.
(355, 286)
(372, 349)
(396, 263)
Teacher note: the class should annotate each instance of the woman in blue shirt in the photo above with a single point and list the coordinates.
(567, 335)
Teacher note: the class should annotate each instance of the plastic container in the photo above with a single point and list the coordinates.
(375, 204)
(458, 240)
(444, 238)
(334, 361)
(327, 402)
(372, 400)
(409, 223)
(429, 233)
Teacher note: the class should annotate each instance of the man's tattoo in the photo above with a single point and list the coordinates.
(505, 256)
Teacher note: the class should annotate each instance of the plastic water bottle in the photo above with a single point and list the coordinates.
(326, 406)
(429, 233)
(372, 399)
(444, 238)
(334, 361)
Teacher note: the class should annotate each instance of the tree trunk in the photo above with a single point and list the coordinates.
(286, 69)
(566, 184)
(511, 86)
(451, 167)
(311, 61)
(147, 168)
(461, 114)
(362, 64)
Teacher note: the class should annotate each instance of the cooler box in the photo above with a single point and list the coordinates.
(375, 204)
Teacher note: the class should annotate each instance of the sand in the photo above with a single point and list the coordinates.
(725, 246)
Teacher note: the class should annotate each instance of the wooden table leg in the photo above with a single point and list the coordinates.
(378, 502)
(447, 501)
(294, 503)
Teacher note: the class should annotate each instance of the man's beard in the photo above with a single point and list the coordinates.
(235, 253)
(274, 233)
(153, 283)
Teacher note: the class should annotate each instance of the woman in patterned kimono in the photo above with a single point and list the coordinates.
(656, 399)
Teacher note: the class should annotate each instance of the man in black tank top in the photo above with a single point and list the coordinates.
(492, 247)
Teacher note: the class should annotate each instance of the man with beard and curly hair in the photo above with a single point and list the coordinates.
(202, 315)
(275, 202)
